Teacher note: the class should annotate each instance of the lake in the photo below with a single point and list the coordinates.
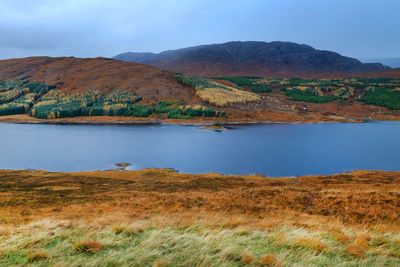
(270, 149)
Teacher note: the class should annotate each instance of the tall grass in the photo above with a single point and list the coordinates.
(50, 242)
(223, 98)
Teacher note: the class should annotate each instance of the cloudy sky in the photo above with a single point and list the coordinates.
(90, 28)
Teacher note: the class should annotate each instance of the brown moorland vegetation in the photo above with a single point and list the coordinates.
(165, 218)
(76, 75)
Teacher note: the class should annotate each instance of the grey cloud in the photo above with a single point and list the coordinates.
(89, 28)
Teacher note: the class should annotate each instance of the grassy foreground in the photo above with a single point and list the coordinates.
(163, 218)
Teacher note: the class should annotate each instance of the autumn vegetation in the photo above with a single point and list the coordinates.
(20, 96)
(237, 99)
(156, 217)
(217, 94)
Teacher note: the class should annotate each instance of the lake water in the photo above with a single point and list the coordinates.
(270, 149)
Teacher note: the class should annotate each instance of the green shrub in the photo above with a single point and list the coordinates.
(56, 104)
(307, 96)
(177, 114)
(261, 89)
(387, 97)
(38, 88)
(241, 80)
(186, 112)
(122, 97)
(197, 83)
(163, 106)
(11, 95)
(12, 109)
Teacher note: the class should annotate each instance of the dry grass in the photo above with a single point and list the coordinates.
(222, 98)
(270, 260)
(247, 258)
(88, 246)
(311, 243)
(160, 263)
(206, 219)
(355, 250)
(359, 198)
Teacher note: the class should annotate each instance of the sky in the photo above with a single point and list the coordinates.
(91, 28)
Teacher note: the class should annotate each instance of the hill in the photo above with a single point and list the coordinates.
(76, 75)
(274, 59)
(97, 88)
(393, 62)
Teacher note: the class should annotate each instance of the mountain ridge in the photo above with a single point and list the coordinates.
(393, 62)
(252, 58)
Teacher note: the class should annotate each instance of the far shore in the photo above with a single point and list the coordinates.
(200, 121)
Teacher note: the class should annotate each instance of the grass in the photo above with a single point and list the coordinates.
(223, 98)
(49, 242)
(158, 217)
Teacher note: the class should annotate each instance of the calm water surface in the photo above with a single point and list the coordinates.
(270, 149)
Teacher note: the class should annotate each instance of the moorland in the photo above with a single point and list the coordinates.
(158, 217)
(104, 90)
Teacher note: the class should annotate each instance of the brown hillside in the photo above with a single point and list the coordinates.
(79, 74)
(394, 73)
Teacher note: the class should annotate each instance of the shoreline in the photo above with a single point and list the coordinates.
(127, 171)
(111, 120)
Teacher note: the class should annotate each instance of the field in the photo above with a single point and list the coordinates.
(158, 217)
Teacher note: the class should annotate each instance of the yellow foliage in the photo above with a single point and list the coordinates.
(51, 116)
(221, 97)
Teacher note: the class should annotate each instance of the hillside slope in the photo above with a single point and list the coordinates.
(47, 88)
(75, 75)
(282, 59)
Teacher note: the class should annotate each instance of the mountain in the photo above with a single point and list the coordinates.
(393, 62)
(282, 59)
(74, 75)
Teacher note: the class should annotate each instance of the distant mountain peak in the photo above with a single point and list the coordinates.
(275, 58)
